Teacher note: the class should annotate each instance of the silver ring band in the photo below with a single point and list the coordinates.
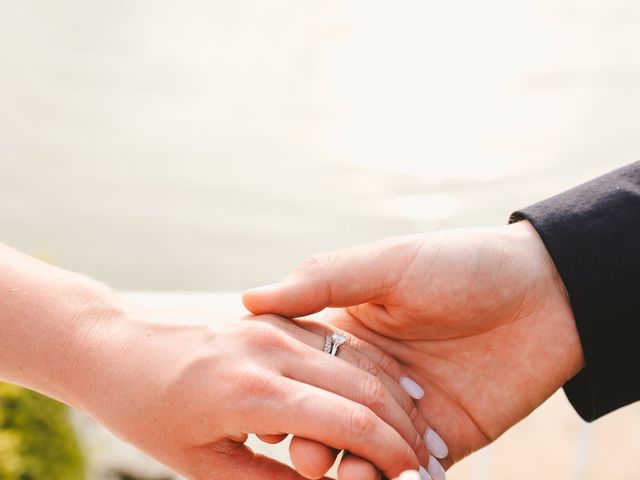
(328, 344)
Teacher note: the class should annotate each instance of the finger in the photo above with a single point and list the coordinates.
(353, 467)
(233, 461)
(272, 439)
(365, 383)
(433, 405)
(380, 358)
(409, 475)
(342, 378)
(435, 469)
(306, 449)
(313, 460)
(362, 355)
(342, 278)
(316, 460)
(337, 422)
(305, 452)
(310, 458)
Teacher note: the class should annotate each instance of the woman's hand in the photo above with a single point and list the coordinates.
(189, 395)
(387, 386)
(479, 317)
(188, 389)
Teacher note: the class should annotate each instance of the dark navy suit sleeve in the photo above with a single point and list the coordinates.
(592, 232)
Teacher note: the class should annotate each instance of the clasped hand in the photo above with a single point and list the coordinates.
(478, 317)
(453, 337)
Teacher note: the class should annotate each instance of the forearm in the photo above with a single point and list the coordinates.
(46, 315)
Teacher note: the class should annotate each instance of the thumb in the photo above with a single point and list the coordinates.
(342, 278)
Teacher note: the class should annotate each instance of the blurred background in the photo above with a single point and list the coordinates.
(212, 145)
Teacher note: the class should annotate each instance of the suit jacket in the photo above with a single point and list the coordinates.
(592, 232)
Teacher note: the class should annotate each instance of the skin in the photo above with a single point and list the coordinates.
(408, 475)
(478, 317)
(187, 388)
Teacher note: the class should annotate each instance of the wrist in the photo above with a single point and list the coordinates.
(552, 294)
(98, 321)
(46, 314)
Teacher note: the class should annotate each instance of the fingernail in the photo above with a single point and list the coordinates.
(435, 444)
(409, 475)
(435, 469)
(424, 475)
(412, 388)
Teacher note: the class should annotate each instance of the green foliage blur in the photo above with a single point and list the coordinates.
(37, 441)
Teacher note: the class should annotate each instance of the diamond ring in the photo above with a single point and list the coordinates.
(337, 340)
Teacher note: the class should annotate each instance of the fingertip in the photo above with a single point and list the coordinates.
(436, 444)
(409, 475)
(291, 298)
(272, 439)
(256, 299)
(411, 387)
(435, 469)
(311, 459)
(356, 468)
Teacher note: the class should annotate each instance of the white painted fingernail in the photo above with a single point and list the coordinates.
(412, 388)
(424, 475)
(409, 475)
(435, 469)
(435, 444)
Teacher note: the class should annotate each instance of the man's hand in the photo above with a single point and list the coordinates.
(479, 317)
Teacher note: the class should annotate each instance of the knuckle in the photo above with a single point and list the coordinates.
(256, 383)
(408, 458)
(374, 393)
(355, 343)
(362, 424)
(250, 382)
(318, 260)
(368, 366)
(263, 335)
(314, 260)
(386, 363)
(413, 413)
(383, 360)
